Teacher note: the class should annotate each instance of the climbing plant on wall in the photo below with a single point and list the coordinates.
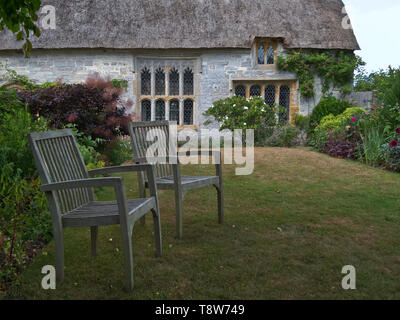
(334, 68)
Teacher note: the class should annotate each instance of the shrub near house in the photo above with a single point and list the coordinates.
(25, 224)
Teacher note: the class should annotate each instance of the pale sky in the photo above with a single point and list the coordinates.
(377, 28)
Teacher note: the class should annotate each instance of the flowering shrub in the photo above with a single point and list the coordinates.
(342, 124)
(392, 152)
(239, 113)
(95, 107)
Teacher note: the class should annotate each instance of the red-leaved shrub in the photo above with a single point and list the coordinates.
(95, 107)
(340, 147)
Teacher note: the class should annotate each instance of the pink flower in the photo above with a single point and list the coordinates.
(394, 143)
(354, 119)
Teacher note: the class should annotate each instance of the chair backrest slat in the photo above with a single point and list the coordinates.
(58, 159)
(140, 131)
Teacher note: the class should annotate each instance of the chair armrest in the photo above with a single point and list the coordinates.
(154, 160)
(132, 168)
(81, 183)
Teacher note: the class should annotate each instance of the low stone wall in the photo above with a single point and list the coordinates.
(363, 99)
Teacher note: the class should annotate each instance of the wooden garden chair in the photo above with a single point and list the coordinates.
(168, 176)
(70, 196)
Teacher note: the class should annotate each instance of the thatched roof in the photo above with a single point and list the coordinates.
(162, 24)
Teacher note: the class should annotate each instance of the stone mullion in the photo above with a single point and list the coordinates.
(167, 106)
(153, 109)
(181, 103)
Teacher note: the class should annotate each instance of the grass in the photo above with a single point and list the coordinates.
(289, 229)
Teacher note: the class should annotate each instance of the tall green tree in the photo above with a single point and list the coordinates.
(19, 16)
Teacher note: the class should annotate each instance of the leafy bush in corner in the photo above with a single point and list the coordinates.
(96, 107)
(24, 219)
(328, 105)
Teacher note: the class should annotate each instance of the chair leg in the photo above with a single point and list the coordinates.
(59, 244)
(127, 246)
(142, 195)
(178, 207)
(220, 194)
(157, 231)
(94, 235)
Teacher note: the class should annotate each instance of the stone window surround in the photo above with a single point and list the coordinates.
(266, 43)
(291, 83)
(167, 64)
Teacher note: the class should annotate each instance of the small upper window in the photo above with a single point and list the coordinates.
(265, 53)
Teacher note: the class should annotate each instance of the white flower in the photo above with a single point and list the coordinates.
(234, 105)
(245, 124)
(246, 108)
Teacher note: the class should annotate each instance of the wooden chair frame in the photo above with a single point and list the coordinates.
(70, 196)
(168, 176)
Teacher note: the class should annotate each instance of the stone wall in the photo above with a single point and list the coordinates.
(217, 71)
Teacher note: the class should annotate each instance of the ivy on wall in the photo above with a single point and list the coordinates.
(334, 68)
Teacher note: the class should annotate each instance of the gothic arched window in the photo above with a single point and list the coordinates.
(188, 82)
(145, 82)
(160, 110)
(240, 91)
(146, 110)
(174, 82)
(270, 92)
(160, 82)
(270, 55)
(188, 112)
(260, 55)
(255, 91)
(284, 101)
(174, 111)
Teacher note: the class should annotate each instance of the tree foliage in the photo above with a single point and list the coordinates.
(19, 16)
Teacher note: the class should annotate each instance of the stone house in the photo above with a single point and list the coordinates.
(179, 56)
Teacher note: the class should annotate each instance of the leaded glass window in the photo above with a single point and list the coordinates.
(260, 55)
(284, 101)
(255, 91)
(174, 82)
(145, 82)
(240, 91)
(270, 55)
(270, 92)
(174, 111)
(188, 82)
(146, 110)
(188, 112)
(160, 82)
(160, 110)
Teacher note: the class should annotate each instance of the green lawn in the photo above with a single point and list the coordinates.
(289, 229)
